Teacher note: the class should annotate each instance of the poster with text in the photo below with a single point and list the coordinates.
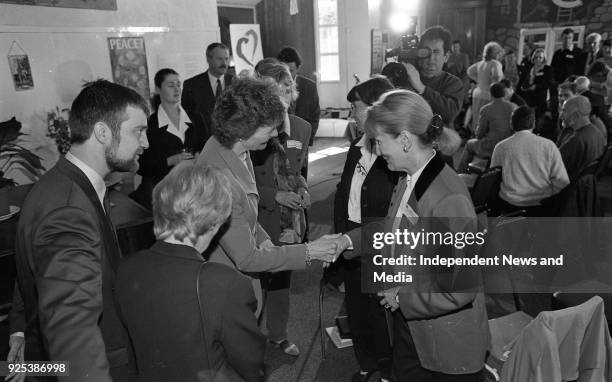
(246, 46)
(129, 63)
(377, 51)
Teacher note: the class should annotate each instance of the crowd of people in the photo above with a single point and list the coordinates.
(223, 161)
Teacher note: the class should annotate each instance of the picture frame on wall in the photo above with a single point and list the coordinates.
(21, 71)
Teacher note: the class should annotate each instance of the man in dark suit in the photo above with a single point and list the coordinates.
(201, 92)
(591, 53)
(307, 104)
(67, 249)
(566, 60)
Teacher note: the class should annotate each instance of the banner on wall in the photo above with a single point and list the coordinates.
(246, 46)
(377, 51)
(129, 63)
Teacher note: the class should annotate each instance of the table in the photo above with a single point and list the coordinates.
(134, 225)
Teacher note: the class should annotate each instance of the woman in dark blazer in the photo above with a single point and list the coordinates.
(535, 83)
(440, 333)
(189, 319)
(364, 192)
(173, 135)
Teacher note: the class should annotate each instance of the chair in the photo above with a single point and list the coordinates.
(478, 165)
(486, 190)
(568, 344)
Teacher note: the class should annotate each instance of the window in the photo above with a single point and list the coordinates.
(328, 40)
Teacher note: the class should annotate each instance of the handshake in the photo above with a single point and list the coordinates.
(328, 248)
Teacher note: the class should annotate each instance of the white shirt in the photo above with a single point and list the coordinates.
(368, 157)
(178, 131)
(532, 168)
(213, 82)
(411, 181)
(94, 178)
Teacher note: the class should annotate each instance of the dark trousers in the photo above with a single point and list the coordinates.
(367, 322)
(406, 364)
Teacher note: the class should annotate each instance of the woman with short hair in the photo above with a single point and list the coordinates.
(364, 193)
(245, 119)
(189, 319)
(484, 73)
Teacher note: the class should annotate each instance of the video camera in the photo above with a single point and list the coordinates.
(409, 50)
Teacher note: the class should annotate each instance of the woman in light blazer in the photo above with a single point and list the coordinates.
(245, 118)
(437, 336)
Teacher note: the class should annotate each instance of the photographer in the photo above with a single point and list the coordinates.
(443, 91)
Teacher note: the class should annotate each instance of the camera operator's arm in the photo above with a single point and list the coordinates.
(445, 99)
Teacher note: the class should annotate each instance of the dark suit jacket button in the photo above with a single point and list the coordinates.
(365, 205)
(364, 188)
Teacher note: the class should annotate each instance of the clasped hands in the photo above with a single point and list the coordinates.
(328, 248)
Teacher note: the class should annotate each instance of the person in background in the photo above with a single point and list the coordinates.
(202, 91)
(364, 192)
(511, 94)
(606, 51)
(307, 104)
(532, 168)
(485, 72)
(591, 54)
(284, 197)
(189, 319)
(173, 136)
(536, 83)
(443, 91)
(494, 125)
(565, 61)
(457, 64)
(67, 251)
(436, 336)
(586, 143)
(245, 119)
(510, 68)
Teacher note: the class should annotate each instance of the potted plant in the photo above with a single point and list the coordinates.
(12, 156)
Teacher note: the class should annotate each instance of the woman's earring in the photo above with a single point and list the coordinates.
(405, 148)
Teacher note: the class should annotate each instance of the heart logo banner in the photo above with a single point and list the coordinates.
(246, 46)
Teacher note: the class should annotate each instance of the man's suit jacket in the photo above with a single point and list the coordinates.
(67, 256)
(582, 63)
(198, 99)
(450, 330)
(307, 104)
(296, 148)
(238, 244)
(156, 293)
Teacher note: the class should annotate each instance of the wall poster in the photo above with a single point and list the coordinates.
(246, 46)
(129, 63)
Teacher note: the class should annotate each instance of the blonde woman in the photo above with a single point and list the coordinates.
(485, 72)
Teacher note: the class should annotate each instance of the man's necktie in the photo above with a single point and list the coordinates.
(219, 89)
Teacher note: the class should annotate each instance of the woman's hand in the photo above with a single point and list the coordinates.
(178, 158)
(303, 193)
(289, 199)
